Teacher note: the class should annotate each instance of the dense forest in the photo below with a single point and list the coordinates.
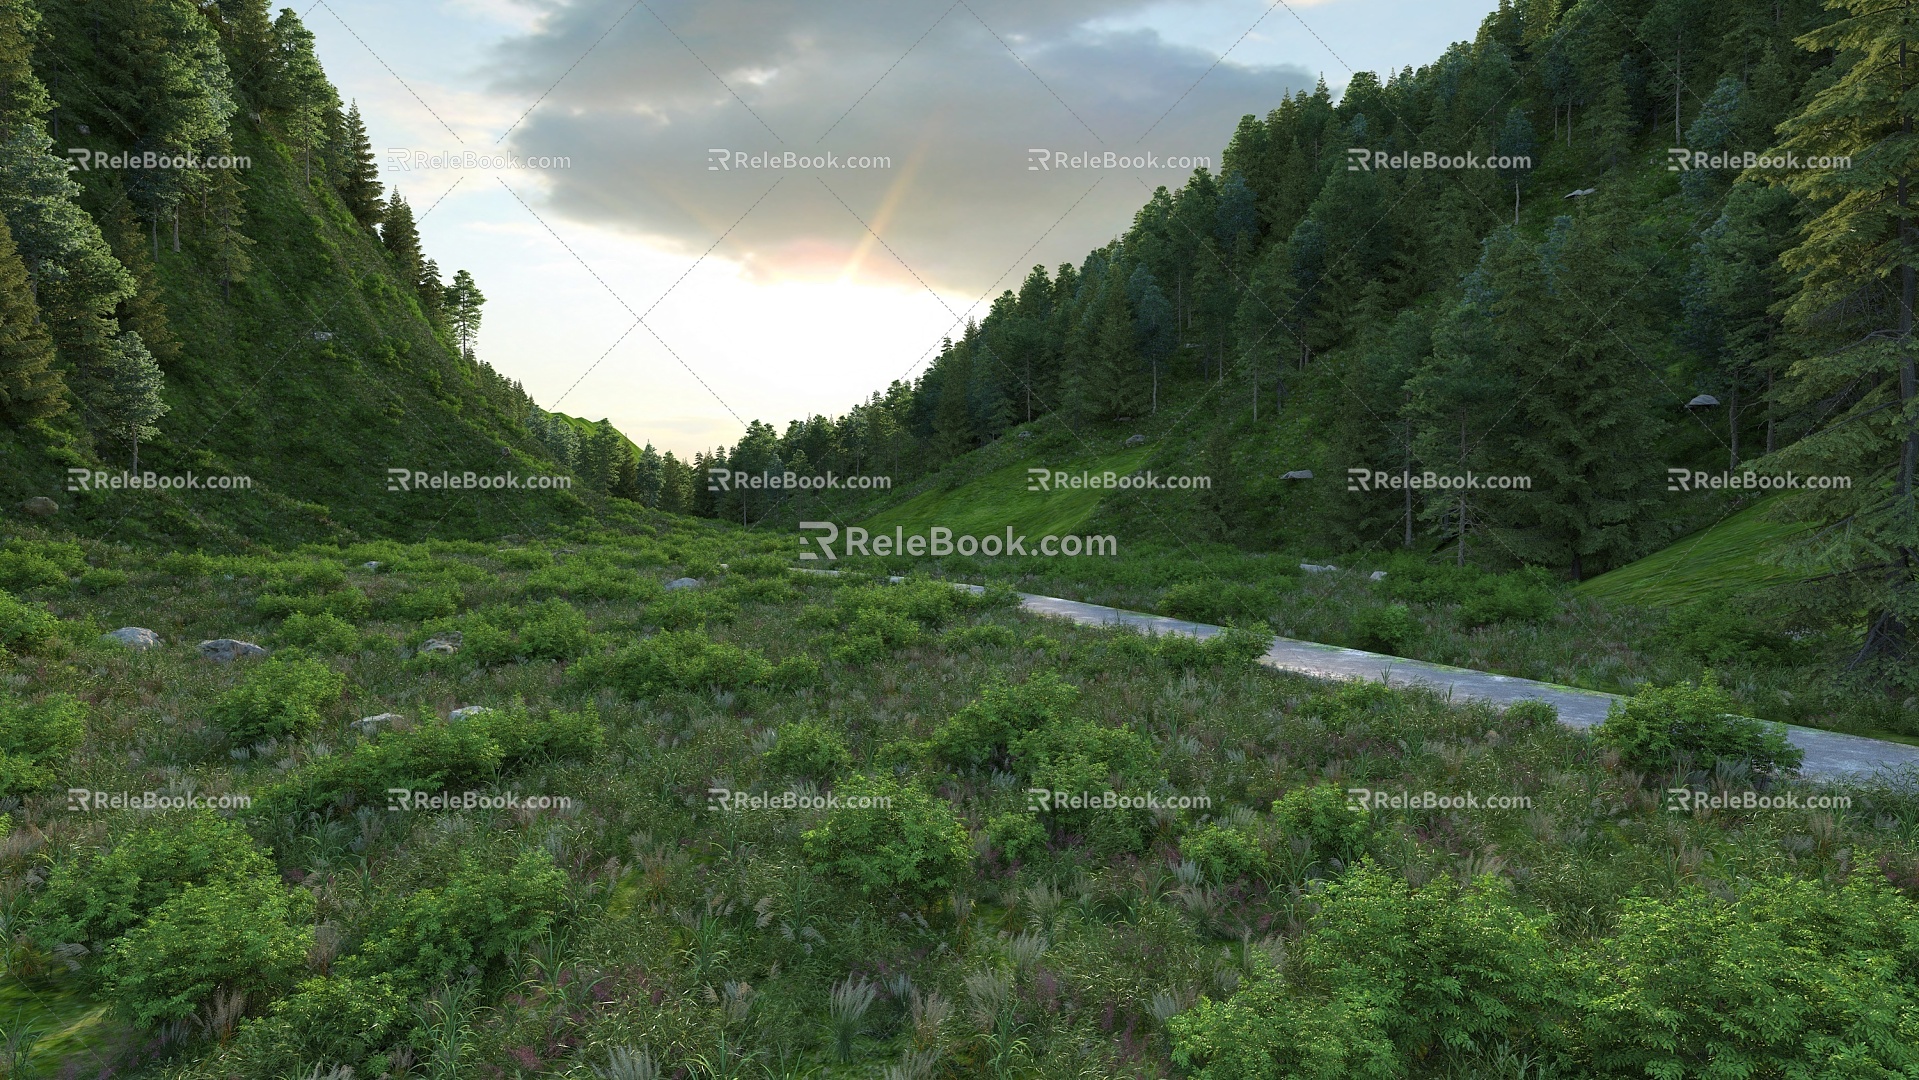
(1564, 322)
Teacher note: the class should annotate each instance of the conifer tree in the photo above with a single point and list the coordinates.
(432, 293)
(401, 238)
(359, 182)
(30, 388)
(463, 303)
(300, 92)
(124, 399)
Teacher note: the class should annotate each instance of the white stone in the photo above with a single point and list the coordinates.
(223, 650)
(134, 637)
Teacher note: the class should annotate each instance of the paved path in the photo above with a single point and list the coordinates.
(1829, 754)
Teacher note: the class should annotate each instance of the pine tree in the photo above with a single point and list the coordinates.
(432, 293)
(125, 398)
(30, 388)
(1857, 265)
(246, 33)
(402, 238)
(142, 311)
(22, 97)
(300, 92)
(359, 183)
(463, 303)
(1154, 335)
(648, 476)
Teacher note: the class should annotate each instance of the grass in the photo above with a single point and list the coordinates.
(1003, 498)
(1727, 559)
(709, 938)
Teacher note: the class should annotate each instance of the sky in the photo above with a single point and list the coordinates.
(615, 173)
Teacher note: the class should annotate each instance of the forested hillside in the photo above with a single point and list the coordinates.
(1299, 312)
(201, 272)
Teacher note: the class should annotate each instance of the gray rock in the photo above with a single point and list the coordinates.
(133, 637)
(369, 725)
(375, 565)
(1298, 474)
(467, 711)
(226, 649)
(1316, 568)
(40, 506)
(1137, 440)
(682, 583)
(442, 644)
(1024, 435)
(1378, 575)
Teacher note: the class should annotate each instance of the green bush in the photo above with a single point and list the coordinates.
(23, 570)
(1482, 598)
(558, 736)
(246, 935)
(524, 559)
(347, 604)
(1389, 979)
(584, 579)
(184, 564)
(984, 730)
(416, 605)
(100, 580)
(759, 566)
(795, 672)
(98, 896)
(554, 630)
(473, 923)
(281, 698)
(1716, 634)
(231, 935)
(1532, 713)
(1661, 728)
(810, 750)
(1215, 600)
(340, 1020)
(675, 660)
(1389, 628)
(889, 839)
(1233, 647)
(1016, 835)
(1323, 816)
(24, 626)
(37, 739)
(1788, 979)
(1225, 854)
(325, 632)
(686, 609)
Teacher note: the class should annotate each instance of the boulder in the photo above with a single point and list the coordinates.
(682, 583)
(442, 644)
(1137, 440)
(466, 711)
(374, 565)
(40, 506)
(1378, 575)
(368, 725)
(133, 637)
(1316, 568)
(226, 649)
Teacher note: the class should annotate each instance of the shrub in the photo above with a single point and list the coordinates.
(523, 739)
(325, 631)
(1322, 816)
(1532, 713)
(1225, 854)
(983, 730)
(1216, 600)
(811, 750)
(1075, 757)
(183, 564)
(101, 580)
(278, 699)
(415, 605)
(1389, 977)
(1232, 647)
(909, 844)
(585, 579)
(1016, 835)
(23, 626)
(524, 559)
(554, 630)
(1788, 979)
(1524, 596)
(1718, 635)
(1389, 628)
(97, 897)
(795, 672)
(37, 739)
(688, 608)
(342, 1020)
(1692, 725)
(675, 660)
(759, 566)
(245, 935)
(23, 570)
(472, 923)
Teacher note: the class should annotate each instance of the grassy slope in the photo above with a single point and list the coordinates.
(1728, 558)
(314, 423)
(989, 504)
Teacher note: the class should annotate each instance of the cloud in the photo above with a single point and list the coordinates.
(956, 205)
